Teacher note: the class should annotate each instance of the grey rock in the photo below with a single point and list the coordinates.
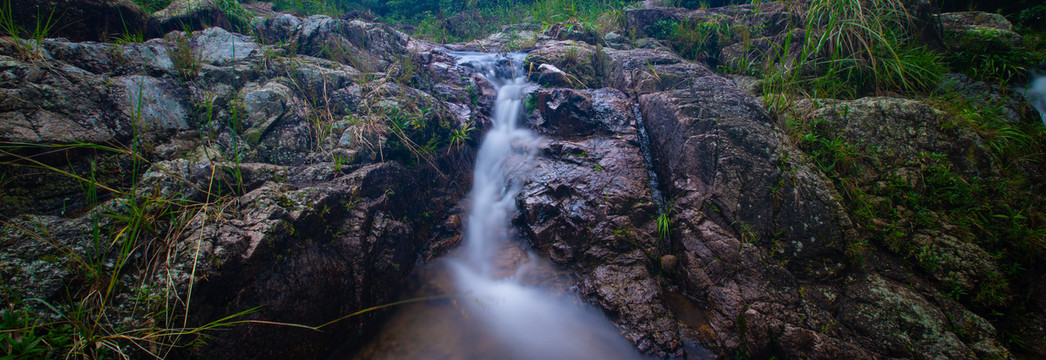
(155, 104)
(216, 46)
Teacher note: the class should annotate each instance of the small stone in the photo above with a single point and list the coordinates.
(669, 263)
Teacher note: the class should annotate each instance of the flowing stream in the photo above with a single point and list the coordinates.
(535, 323)
(507, 302)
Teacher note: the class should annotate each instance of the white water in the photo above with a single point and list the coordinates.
(530, 321)
(1036, 94)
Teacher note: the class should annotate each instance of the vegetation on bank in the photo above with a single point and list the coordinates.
(860, 50)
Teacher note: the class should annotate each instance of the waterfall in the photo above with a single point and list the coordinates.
(530, 321)
(1035, 93)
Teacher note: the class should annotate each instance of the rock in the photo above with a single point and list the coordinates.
(149, 57)
(584, 65)
(574, 113)
(55, 101)
(34, 268)
(589, 206)
(901, 318)
(275, 29)
(669, 263)
(749, 58)
(264, 106)
(709, 156)
(153, 104)
(911, 132)
(976, 29)
(1007, 103)
(56, 104)
(306, 256)
(642, 19)
(616, 41)
(365, 46)
(218, 47)
(83, 20)
(193, 15)
(642, 71)
(551, 76)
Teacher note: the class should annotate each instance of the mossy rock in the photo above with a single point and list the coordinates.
(585, 66)
(201, 14)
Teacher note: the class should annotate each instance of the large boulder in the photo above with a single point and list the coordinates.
(763, 238)
(589, 205)
(304, 255)
(726, 159)
(81, 93)
(195, 15)
(962, 28)
(368, 47)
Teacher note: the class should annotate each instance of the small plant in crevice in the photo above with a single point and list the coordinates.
(664, 226)
(187, 61)
(27, 41)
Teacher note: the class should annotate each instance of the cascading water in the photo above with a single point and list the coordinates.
(1035, 93)
(530, 321)
(504, 302)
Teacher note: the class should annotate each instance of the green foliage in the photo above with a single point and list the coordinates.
(27, 41)
(152, 6)
(664, 226)
(238, 17)
(187, 62)
(456, 21)
(308, 7)
(906, 211)
(23, 338)
(695, 39)
(988, 61)
(857, 47)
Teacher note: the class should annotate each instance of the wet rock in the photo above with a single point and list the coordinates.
(669, 263)
(588, 205)
(574, 113)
